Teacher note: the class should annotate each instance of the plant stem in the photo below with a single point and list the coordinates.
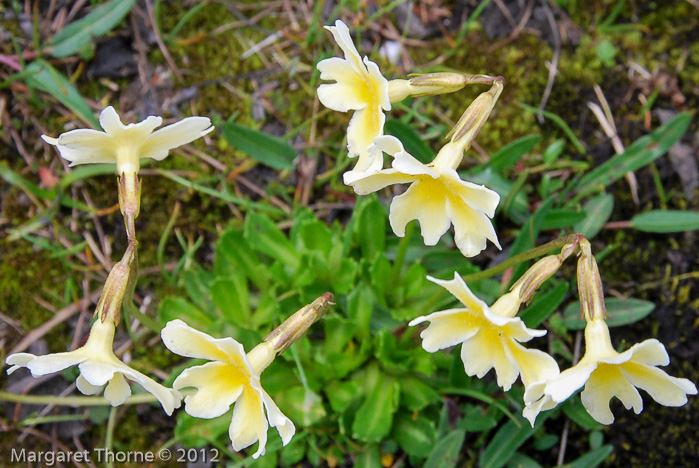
(75, 401)
(523, 257)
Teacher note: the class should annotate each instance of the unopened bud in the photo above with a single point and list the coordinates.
(130, 200)
(542, 270)
(431, 84)
(296, 325)
(590, 285)
(119, 285)
(475, 116)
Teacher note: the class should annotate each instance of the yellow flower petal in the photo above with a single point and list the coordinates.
(249, 423)
(218, 386)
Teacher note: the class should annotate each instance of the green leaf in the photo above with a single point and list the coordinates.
(412, 142)
(522, 461)
(544, 305)
(78, 34)
(666, 221)
(475, 420)
(446, 452)
(294, 451)
(44, 77)
(360, 305)
(553, 151)
(230, 296)
(234, 254)
(508, 155)
(598, 210)
(265, 236)
(640, 153)
(374, 418)
(266, 149)
(505, 443)
(592, 458)
(368, 457)
(415, 394)
(301, 404)
(620, 312)
(559, 218)
(574, 409)
(415, 436)
(370, 227)
(341, 393)
(196, 432)
(172, 308)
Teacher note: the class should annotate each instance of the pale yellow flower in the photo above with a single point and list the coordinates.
(359, 86)
(126, 145)
(490, 337)
(98, 367)
(231, 377)
(605, 373)
(437, 197)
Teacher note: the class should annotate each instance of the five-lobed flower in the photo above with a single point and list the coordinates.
(234, 377)
(490, 337)
(230, 377)
(126, 145)
(98, 367)
(359, 86)
(437, 198)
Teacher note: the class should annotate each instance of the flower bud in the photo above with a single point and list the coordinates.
(119, 286)
(590, 285)
(431, 84)
(296, 325)
(542, 270)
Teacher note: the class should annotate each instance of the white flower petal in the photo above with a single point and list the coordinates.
(471, 228)
(365, 125)
(118, 390)
(249, 423)
(84, 146)
(478, 197)
(416, 203)
(447, 328)
(186, 341)
(348, 91)
(160, 142)
(110, 121)
(342, 36)
(407, 164)
(218, 387)
(50, 363)
(606, 382)
(365, 183)
(663, 388)
(278, 419)
(389, 144)
(460, 290)
(18, 360)
(98, 373)
(650, 352)
(85, 387)
(534, 365)
(569, 381)
(169, 399)
(489, 349)
(532, 409)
